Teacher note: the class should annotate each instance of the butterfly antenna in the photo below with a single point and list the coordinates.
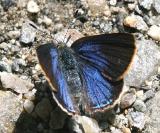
(41, 30)
(71, 23)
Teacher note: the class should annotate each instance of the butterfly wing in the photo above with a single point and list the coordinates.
(48, 59)
(101, 93)
(111, 54)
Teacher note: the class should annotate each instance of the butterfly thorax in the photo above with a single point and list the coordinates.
(69, 67)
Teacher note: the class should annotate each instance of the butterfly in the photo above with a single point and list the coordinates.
(88, 76)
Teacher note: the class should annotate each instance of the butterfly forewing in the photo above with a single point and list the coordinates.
(111, 54)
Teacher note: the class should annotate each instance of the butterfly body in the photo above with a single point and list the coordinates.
(69, 67)
(88, 76)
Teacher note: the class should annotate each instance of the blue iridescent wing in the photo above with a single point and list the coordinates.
(101, 93)
(111, 54)
(48, 59)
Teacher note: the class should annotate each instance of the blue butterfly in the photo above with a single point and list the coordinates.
(88, 76)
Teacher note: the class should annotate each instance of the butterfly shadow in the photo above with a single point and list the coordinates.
(31, 122)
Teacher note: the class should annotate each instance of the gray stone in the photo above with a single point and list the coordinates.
(11, 108)
(13, 82)
(148, 95)
(5, 67)
(120, 121)
(28, 106)
(43, 109)
(96, 23)
(144, 64)
(127, 100)
(146, 4)
(28, 33)
(107, 28)
(17, 64)
(153, 120)
(156, 5)
(57, 119)
(80, 124)
(139, 105)
(7, 4)
(137, 119)
(138, 10)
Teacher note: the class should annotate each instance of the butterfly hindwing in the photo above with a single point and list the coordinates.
(111, 54)
(101, 93)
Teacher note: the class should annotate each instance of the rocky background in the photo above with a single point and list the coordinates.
(26, 104)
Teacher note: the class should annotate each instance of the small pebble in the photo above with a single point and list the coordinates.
(126, 130)
(28, 106)
(47, 21)
(115, 130)
(137, 120)
(154, 32)
(5, 46)
(16, 84)
(146, 4)
(140, 94)
(120, 121)
(148, 83)
(7, 4)
(139, 105)
(30, 95)
(156, 5)
(149, 94)
(113, 2)
(84, 124)
(5, 67)
(58, 27)
(32, 7)
(135, 21)
(14, 34)
(28, 33)
(127, 100)
(131, 6)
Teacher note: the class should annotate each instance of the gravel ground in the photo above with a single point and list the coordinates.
(25, 98)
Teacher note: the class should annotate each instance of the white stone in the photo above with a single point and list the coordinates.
(47, 20)
(135, 21)
(154, 32)
(113, 2)
(28, 106)
(32, 7)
